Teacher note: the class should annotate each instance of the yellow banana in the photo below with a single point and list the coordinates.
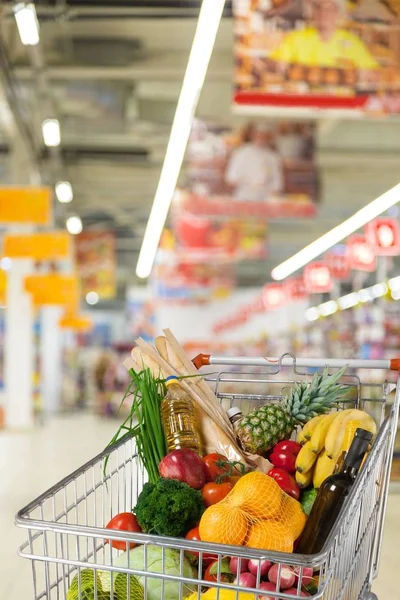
(324, 467)
(304, 480)
(305, 434)
(305, 458)
(330, 438)
(319, 433)
(364, 421)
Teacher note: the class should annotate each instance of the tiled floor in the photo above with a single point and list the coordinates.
(31, 462)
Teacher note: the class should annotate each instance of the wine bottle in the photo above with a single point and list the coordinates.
(331, 496)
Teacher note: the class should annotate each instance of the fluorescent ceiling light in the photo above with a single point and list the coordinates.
(396, 294)
(64, 192)
(51, 132)
(200, 54)
(312, 314)
(5, 263)
(394, 283)
(337, 234)
(74, 225)
(328, 308)
(378, 290)
(27, 23)
(92, 298)
(348, 301)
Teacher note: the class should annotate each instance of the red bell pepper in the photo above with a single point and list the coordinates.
(284, 455)
(286, 482)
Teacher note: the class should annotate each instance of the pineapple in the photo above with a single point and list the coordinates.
(264, 427)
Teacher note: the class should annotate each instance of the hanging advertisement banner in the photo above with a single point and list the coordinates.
(75, 322)
(180, 278)
(47, 245)
(207, 238)
(361, 254)
(274, 296)
(384, 236)
(28, 205)
(96, 262)
(257, 172)
(325, 54)
(295, 289)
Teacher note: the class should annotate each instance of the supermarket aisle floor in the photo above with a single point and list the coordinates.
(30, 463)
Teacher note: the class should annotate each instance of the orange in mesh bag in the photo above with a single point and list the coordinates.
(257, 514)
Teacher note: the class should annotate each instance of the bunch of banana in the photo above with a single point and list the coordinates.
(324, 440)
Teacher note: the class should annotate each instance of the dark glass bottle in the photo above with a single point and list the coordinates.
(331, 496)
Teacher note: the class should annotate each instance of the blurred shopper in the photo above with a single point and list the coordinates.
(254, 171)
(323, 42)
(100, 372)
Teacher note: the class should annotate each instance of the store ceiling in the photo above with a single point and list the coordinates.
(111, 73)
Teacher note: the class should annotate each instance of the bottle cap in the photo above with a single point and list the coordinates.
(171, 379)
(232, 412)
(363, 434)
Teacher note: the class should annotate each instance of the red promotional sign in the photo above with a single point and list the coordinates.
(295, 288)
(317, 278)
(384, 235)
(273, 296)
(361, 254)
(339, 265)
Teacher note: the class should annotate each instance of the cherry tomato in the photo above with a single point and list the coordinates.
(194, 534)
(215, 492)
(124, 522)
(213, 465)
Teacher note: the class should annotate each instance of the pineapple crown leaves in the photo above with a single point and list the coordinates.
(307, 400)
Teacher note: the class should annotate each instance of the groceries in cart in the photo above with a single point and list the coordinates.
(272, 480)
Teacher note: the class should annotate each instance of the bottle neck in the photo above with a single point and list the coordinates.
(355, 456)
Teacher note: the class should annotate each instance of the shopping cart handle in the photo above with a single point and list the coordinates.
(201, 360)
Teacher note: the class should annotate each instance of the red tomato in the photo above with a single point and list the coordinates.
(124, 522)
(194, 534)
(214, 467)
(215, 492)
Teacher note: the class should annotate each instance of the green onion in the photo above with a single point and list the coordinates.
(147, 393)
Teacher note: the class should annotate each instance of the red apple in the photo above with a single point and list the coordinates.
(184, 465)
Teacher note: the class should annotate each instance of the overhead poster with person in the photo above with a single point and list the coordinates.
(254, 173)
(327, 54)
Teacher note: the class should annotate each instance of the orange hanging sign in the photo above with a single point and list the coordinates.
(54, 289)
(52, 245)
(75, 322)
(30, 205)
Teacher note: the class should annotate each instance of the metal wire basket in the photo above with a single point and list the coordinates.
(66, 524)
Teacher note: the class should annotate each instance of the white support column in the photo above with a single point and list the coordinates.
(51, 358)
(18, 359)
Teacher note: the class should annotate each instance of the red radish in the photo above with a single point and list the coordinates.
(259, 565)
(268, 587)
(184, 465)
(307, 575)
(246, 580)
(234, 564)
(294, 592)
(287, 576)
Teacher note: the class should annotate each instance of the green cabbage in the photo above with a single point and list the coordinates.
(154, 564)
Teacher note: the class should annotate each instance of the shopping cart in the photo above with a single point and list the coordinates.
(66, 524)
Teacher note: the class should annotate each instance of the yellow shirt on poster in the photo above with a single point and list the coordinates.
(306, 47)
